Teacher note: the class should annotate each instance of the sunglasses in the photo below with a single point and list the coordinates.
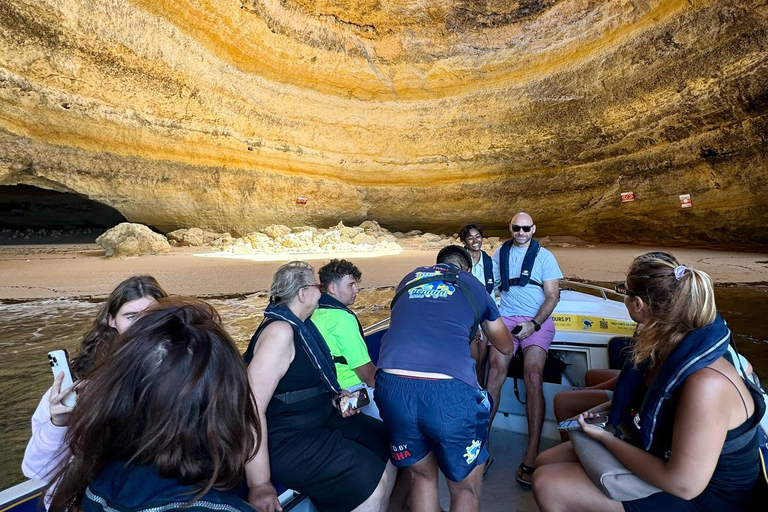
(517, 228)
(622, 289)
(316, 285)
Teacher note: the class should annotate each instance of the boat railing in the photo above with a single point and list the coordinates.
(564, 285)
(376, 327)
(600, 290)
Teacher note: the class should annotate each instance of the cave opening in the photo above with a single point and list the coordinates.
(31, 214)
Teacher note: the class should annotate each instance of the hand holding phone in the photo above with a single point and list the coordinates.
(355, 400)
(573, 424)
(59, 363)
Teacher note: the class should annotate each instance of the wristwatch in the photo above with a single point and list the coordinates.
(536, 326)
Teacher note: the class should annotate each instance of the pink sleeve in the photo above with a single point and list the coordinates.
(46, 446)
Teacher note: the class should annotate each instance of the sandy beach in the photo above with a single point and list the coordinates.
(80, 270)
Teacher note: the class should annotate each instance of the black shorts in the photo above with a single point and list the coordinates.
(337, 462)
(705, 502)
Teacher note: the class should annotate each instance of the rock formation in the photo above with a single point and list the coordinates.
(238, 114)
(278, 239)
(127, 240)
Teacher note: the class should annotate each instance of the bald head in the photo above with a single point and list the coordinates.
(522, 219)
(522, 229)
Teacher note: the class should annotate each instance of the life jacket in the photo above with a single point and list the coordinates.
(651, 427)
(328, 302)
(307, 336)
(525, 270)
(488, 271)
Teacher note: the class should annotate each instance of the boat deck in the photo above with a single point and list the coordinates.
(501, 492)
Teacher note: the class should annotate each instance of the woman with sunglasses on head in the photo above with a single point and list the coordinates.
(164, 422)
(690, 418)
(46, 448)
(340, 461)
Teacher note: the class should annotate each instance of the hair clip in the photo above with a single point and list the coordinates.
(680, 271)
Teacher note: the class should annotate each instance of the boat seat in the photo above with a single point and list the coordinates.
(618, 350)
(373, 342)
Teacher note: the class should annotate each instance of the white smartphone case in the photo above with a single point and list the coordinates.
(59, 362)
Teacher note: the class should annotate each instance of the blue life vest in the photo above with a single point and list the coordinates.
(651, 426)
(525, 270)
(488, 271)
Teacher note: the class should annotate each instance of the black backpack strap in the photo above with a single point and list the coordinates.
(451, 277)
(470, 296)
(488, 271)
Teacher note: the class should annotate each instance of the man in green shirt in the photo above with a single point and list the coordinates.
(342, 330)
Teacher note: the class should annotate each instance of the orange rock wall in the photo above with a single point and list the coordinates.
(416, 113)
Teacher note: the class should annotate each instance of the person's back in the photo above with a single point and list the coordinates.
(430, 326)
(426, 375)
(129, 487)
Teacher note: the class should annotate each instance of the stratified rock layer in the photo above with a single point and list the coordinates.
(234, 115)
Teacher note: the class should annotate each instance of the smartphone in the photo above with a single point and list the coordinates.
(358, 399)
(59, 361)
(565, 426)
(516, 330)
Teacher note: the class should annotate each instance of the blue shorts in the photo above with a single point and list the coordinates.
(444, 416)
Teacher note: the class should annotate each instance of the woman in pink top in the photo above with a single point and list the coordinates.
(46, 448)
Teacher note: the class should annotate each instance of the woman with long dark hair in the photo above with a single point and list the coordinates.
(340, 462)
(164, 421)
(46, 449)
(689, 418)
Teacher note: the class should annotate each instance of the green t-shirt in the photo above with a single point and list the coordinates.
(342, 335)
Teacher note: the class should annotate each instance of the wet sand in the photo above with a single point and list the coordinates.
(80, 270)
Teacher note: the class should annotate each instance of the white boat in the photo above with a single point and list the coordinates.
(589, 320)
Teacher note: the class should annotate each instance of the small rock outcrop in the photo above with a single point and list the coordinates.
(276, 239)
(127, 240)
(197, 237)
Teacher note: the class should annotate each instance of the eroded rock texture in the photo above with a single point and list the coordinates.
(219, 114)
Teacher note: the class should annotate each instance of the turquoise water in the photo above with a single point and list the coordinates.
(33, 328)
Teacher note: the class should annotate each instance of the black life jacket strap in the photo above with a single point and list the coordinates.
(488, 271)
(515, 281)
(291, 397)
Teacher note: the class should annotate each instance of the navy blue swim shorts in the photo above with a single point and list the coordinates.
(445, 416)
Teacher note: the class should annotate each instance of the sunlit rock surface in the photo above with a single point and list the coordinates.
(232, 115)
(128, 240)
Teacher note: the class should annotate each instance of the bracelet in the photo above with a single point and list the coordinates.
(536, 326)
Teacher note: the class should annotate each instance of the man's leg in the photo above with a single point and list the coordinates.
(497, 374)
(479, 351)
(534, 358)
(465, 495)
(424, 484)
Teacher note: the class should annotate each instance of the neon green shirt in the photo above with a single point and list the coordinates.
(342, 335)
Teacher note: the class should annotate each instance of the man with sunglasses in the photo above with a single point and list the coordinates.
(528, 297)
